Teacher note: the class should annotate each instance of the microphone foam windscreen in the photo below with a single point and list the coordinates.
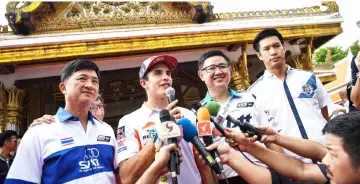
(189, 130)
(165, 115)
(213, 108)
(203, 114)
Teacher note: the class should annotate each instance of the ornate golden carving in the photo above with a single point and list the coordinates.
(145, 44)
(3, 101)
(332, 7)
(328, 60)
(105, 15)
(239, 71)
(296, 62)
(15, 105)
(4, 29)
(307, 62)
(19, 7)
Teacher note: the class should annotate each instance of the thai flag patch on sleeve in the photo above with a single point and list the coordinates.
(67, 141)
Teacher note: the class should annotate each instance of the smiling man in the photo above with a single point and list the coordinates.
(77, 148)
(296, 98)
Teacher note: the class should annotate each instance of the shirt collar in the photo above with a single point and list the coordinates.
(147, 109)
(233, 94)
(64, 115)
(269, 74)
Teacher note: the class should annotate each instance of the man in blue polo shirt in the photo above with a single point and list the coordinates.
(77, 148)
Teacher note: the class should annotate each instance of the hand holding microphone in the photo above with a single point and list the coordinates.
(175, 112)
(221, 116)
(168, 130)
(191, 135)
(205, 131)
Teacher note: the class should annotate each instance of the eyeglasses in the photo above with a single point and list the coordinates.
(212, 68)
(97, 107)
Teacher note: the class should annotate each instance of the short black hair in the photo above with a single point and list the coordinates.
(347, 127)
(210, 54)
(264, 34)
(77, 65)
(6, 136)
(101, 99)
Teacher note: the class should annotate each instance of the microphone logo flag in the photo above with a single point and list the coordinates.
(204, 128)
(168, 129)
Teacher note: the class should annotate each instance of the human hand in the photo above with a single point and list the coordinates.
(223, 151)
(162, 158)
(44, 119)
(237, 139)
(269, 134)
(174, 111)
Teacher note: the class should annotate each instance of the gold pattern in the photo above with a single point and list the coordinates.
(15, 105)
(331, 6)
(146, 44)
(26, 7)
(296, 62)
(106, 15)
(3, 101)
(307, 62)
(4, 28)
(239, 74)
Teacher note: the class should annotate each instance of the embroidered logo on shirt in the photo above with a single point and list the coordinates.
(90, 161)
(307, 89)
(67, 141)
(245, 104)
(103, 138)
(121, 133)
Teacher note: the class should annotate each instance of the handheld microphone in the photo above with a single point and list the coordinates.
(190, 135)
(205, 131)
(195, 107)
(169, 130)
(246, 127)
(170, 94)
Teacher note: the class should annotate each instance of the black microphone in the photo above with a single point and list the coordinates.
(174, 161)
(205, 131)
(214, 108)
(196, 106)
(190, 135)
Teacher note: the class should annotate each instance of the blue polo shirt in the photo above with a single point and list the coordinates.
(62, 152)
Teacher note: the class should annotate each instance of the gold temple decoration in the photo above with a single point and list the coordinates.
(146, 44)
(4, 29)
(331, 6)
(239, 71)
(328, 60)
(15, 105)
(106, 15)
(296, 62)
(3, 101)
(307, 62)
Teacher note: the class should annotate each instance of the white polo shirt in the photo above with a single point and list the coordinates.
(133, 134)
(62, 152)
(308, 94)
(244, 107)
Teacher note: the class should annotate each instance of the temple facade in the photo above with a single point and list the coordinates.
(118, 36)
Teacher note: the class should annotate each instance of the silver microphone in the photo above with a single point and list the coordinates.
(170, 94)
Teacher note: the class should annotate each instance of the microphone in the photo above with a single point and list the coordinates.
(170, 94)
(246, 127)
(168, 130)
(195, 107)
(190, 135)
(205, 131)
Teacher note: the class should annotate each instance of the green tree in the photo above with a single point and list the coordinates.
(337, 54)
(355, 48)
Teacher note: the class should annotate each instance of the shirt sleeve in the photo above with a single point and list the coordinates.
(128, 140)
(322, 95)
(28, 163)
(354, 71)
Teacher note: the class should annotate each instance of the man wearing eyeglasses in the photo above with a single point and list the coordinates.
(215, 71)
(8, 143)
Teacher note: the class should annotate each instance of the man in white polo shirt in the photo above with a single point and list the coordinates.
(296, 98)
(136, 151)
(77, 148)
(215, 71)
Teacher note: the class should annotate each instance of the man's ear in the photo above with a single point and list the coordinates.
(201, 75)
(62, 88)
(143, 83)
(258, 54)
